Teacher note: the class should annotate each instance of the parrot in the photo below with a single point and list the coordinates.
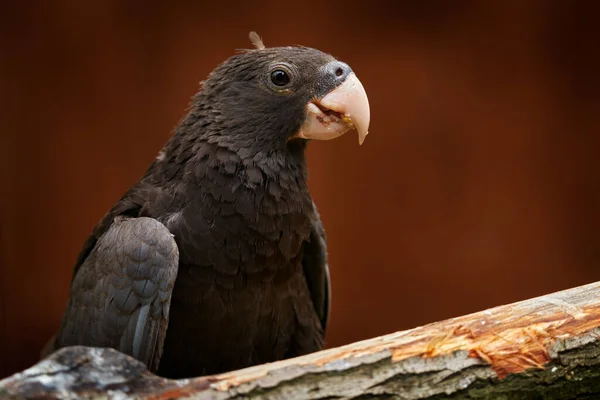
(216, 259)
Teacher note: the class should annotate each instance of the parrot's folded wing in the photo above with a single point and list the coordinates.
(121, 293)
(316, 270)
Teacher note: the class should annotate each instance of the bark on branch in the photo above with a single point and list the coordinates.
(545, 347)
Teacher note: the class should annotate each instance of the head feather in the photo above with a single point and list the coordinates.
(256, 40)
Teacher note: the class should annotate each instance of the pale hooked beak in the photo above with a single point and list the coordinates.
(345, 107)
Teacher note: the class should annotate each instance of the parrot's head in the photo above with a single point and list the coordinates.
(269, 97)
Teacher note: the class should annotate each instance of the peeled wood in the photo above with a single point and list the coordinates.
(545, 347)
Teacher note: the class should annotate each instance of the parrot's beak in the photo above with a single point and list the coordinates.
(345, 107)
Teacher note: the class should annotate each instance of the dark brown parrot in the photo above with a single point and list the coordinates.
(216, 259)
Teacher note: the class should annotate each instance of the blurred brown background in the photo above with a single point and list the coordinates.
(478, 185)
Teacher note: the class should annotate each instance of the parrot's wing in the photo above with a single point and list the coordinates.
(121, 293)
(316, 270)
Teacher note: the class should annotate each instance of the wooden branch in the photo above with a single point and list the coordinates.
(545, 347)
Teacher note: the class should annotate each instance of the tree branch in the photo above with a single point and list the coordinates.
(545, 347)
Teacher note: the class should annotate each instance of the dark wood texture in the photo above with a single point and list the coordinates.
(478, 184)
(545, 347)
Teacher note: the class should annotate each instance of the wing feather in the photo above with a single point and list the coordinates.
(121, 292)
(316, 270)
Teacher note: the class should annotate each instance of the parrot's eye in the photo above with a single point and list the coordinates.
(280, 78)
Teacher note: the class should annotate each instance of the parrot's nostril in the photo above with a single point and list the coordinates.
(338, 71)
